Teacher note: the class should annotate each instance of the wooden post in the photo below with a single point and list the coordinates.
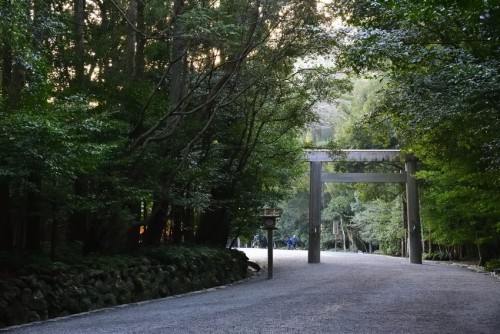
(414, 229)
(269, 253)
(315, 213)
(270, 215)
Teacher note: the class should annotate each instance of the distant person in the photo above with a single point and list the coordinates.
(263, 241)
(291, 243)
(256, 241)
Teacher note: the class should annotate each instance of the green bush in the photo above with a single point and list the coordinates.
(492, 265)
(17, 260)
(108, 262)
(436, 256)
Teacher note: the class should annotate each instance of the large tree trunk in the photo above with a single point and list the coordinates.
(6, 63)
(343, 233)
(13, 75)
(17, 81)
(489, 250)
(188, 230)
(177, 218)
(177, 58)
(214, 225)
(156, 224)
(134, 232)
(79, 22)
(6, 233)
(34, 228)
(130, 47)
(5, 224)
(140, 61)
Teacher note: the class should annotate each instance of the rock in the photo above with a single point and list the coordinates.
(39, 305)
(254, 266)
(32, 316)
(109, 299)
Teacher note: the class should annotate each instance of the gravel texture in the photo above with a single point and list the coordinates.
(345, 293)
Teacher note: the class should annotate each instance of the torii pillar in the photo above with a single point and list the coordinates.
(413, 213)
(315, 213)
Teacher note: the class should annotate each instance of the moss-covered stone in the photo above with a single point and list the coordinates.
(33, 295)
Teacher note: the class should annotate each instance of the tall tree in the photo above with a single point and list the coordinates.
(441, 59)
(129, 114)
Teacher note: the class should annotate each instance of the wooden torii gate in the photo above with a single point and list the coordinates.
(316, 157)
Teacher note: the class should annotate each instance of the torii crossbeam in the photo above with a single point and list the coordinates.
(317, 157)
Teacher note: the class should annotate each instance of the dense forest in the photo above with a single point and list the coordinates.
(143, 122)
(426, 80)
(128, 122)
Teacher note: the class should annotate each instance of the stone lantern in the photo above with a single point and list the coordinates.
(269, 218)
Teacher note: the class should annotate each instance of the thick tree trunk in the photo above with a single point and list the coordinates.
(140, 61)
(188, 230)
(343, 233)
(15, 76)
(6, 236)
(176, 58)
(6, 63)
(79, 26)
(156, 224)
(6, 233)
(17, 81)
(134, 232)
(130, 47)
(133, 238)
(350, 236)
(34, 228)
(177, 218)
(488, 252)
(214, 227)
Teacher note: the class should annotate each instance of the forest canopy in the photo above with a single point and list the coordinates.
(128, 122)
(141, 122)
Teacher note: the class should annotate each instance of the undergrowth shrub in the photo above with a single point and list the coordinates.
(437, 256)
(492, 265)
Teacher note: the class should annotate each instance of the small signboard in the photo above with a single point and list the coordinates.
(270, 212)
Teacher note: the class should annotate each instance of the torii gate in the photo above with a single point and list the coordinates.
(316, 157)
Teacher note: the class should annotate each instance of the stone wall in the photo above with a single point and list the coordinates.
(48, 293)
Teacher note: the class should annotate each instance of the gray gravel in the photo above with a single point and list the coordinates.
(345, 293)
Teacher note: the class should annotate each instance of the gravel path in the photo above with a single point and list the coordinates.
(345, 293)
